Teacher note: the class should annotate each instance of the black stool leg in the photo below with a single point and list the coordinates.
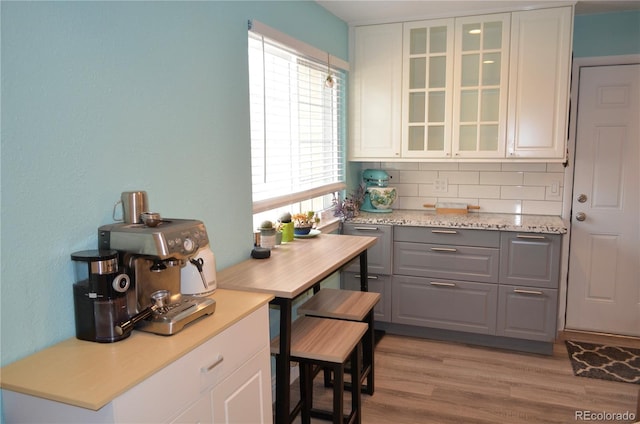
(368, 348)
(306, 392)
(338, 394)
(356, 399)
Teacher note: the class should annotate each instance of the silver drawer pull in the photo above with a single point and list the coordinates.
(369, 277)
(217, 362)
(521, 291)
(366, 228)
(528, 236)
(444, 249)
(440, 284)
(444, 232)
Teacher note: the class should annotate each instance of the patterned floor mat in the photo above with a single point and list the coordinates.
(604, 362)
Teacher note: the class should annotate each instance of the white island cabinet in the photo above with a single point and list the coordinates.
(223, 380)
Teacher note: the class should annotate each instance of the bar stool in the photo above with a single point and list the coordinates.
(348, 305)
(330, 344)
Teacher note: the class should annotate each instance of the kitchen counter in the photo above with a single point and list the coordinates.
(548, 224)
(90, 375)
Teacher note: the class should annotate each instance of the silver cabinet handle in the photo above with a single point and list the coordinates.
(534, 292)
(444, 232)
(217, 362)
(444, 249)
(581, 216)
(366, 228)
(369, 277)
(440, 284)
(529, 236)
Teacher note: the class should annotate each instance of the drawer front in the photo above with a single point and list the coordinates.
(182, 381)
(455, 236)
(445, 304)
(377, 284)
(530, 259)
(527, 313)
(450, 262)
(378, 255)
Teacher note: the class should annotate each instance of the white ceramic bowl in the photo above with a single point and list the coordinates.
(382, 197)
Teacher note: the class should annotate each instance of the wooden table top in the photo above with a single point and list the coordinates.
(90, 375)
(295, 267)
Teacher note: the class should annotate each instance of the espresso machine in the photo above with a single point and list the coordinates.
(101, 296)
(161, 256)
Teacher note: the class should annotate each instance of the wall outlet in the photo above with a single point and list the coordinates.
(440, 185)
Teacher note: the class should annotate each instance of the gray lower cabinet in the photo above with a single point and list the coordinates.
(530, 259)
(379, 255)
(494, 283)
(377, 284)
(529, 279)
(379, 261)
(527, 313)
(445, 304)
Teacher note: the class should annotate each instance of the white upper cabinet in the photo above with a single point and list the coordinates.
(539, 83)
(481, 86)
(476, 88)
(376, 84)
(427, 87)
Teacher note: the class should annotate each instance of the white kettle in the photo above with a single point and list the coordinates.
(198, 274)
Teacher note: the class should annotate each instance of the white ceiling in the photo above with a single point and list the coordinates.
(379, 11)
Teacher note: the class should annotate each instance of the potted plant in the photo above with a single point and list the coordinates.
(304, 222)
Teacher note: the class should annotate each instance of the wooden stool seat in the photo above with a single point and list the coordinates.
(348, 305)
(326, 343)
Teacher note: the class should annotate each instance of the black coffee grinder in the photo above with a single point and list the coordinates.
(100, 296)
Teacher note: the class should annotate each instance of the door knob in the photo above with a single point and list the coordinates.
(581, 216)
(582, 198)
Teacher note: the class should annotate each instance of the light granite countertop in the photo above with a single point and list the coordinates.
(549, 224)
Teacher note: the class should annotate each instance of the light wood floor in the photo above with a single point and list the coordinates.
(423, 381)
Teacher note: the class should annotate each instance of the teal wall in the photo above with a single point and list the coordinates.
(104, 97)
(606, 34)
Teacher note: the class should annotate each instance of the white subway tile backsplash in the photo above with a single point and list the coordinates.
(460, 177)
(479, 166)
(522, 193)
(530, 167)
(417, 177)
(533, 207)
(496, 187)
(543, 178)
(438, 166)
(479, 191)
(429, 190)
(500, 206)
(502, 178)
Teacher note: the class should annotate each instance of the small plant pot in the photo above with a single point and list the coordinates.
(302, 231)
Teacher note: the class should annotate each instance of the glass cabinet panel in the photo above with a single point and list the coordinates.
(428, 88)
(481, 85)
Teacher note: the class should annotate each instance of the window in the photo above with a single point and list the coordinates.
(297, 124)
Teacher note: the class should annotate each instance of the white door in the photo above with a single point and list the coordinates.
(604, 259)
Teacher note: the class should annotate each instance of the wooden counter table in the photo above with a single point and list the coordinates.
(292, 269)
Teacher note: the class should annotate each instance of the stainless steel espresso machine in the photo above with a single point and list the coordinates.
(157, 258)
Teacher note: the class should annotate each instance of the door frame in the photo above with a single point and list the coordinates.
(569, 170)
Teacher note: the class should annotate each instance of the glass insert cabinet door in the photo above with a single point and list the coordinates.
(427, 88)
(480, 86)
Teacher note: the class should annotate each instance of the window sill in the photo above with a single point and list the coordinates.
(329, 223)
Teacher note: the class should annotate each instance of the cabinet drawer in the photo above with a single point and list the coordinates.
(481, 238)
(530, 259)
(443, 261)
(445, 304)
(378, 255)
(377, 284)
(177, 385)
(527, 313)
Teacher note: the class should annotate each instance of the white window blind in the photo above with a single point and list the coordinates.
(297, 125)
